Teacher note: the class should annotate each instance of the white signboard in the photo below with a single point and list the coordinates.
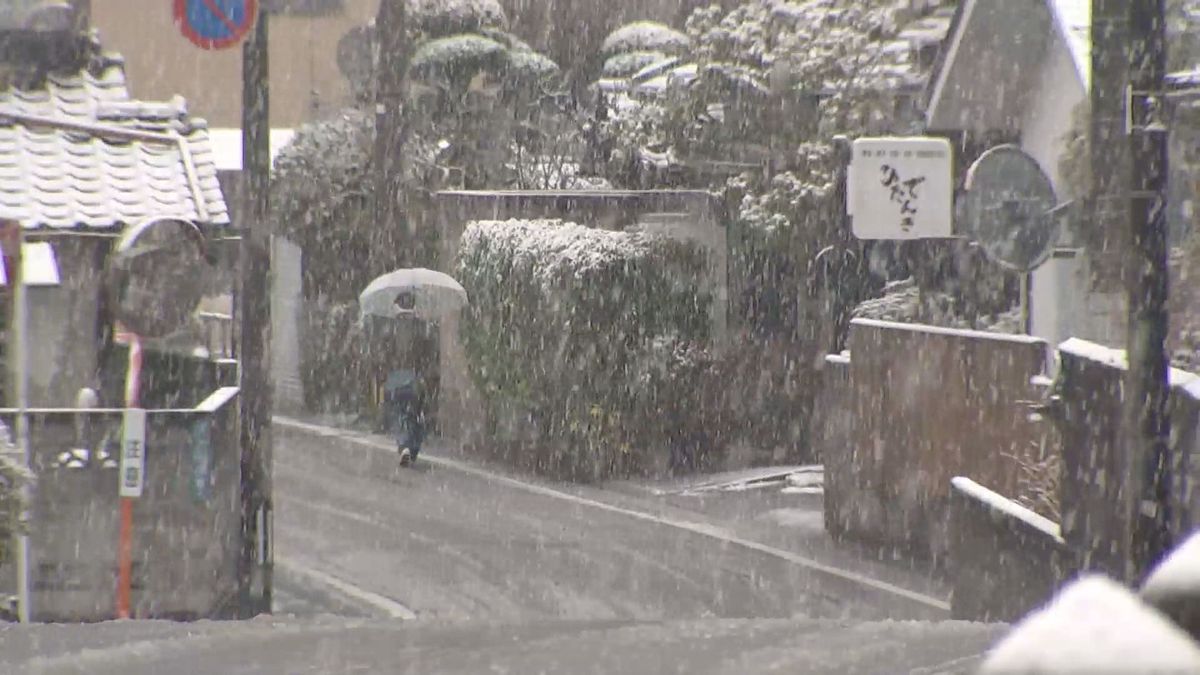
(901, 188)
(133, 453)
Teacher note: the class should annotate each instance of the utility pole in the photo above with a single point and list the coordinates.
(254, 260)
(1128, 161)
(1145, 417)
(390, 132)
(14, 238)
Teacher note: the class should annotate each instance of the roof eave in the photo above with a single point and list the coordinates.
(945, 60)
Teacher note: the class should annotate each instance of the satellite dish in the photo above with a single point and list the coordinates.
(154, 277)
(1010, 208)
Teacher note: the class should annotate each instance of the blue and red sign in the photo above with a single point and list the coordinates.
(215, 24)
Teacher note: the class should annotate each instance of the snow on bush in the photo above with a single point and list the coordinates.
(643, 36)
(584, 337)
(446, 17)
(629, 63)
(456, 58)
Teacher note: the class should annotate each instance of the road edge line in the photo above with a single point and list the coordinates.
(391, 608)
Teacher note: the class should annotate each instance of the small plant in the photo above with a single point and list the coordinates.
(14, 478)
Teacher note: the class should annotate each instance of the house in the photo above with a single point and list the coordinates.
(1021, 72)
(306, 57)
(81, 160)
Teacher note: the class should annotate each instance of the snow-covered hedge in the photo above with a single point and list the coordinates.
(641, 36)
(445, 17)
(588, 341)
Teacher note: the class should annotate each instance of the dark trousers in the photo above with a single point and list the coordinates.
(406, 422)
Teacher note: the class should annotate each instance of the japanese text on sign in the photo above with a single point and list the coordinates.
(901, 188)
(132, 469)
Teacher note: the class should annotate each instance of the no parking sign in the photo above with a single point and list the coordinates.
(215, 24)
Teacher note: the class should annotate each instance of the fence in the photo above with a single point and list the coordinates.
(187, 526)
(920, 405)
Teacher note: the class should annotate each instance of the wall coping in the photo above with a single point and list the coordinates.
(1116, 358)
(949, 332)
(1008, 507)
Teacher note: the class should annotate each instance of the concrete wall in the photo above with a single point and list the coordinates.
(186, 524)
(1090, 387)
(833, 431)
(1004, 560)
(926, 405)
(685, 214)
(63, 325)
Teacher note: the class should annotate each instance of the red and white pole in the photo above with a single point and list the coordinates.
(133, 377)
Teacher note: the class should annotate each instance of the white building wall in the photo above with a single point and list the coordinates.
(1047, 119)
(1061, 304)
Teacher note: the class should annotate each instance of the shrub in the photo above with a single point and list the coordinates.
(587, 345)
(13, 477)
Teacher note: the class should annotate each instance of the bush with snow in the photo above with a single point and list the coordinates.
(454, 60)
(446, 17)
(645, 36)
(629, 63)
(582, 338)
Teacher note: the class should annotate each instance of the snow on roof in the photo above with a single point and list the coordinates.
(1008, 507)
(1095, 626)
(1073, 19)
(1178, 575)
(76, 151)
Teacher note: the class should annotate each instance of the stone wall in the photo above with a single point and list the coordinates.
(1005, 560)
(924, 405)
(186, 524)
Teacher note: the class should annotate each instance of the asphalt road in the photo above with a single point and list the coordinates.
(337, 646)
(451, 544)
(450, 567)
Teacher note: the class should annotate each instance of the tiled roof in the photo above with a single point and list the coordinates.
(77, 152)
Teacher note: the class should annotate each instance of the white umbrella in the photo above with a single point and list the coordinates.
(434, 294)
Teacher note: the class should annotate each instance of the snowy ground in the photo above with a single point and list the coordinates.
(332, 645)
(455, 567)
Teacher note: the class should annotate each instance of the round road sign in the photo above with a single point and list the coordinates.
(154, 275)
(215, 24)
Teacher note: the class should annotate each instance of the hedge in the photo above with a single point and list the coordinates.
(588, 346)
(13, 477)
